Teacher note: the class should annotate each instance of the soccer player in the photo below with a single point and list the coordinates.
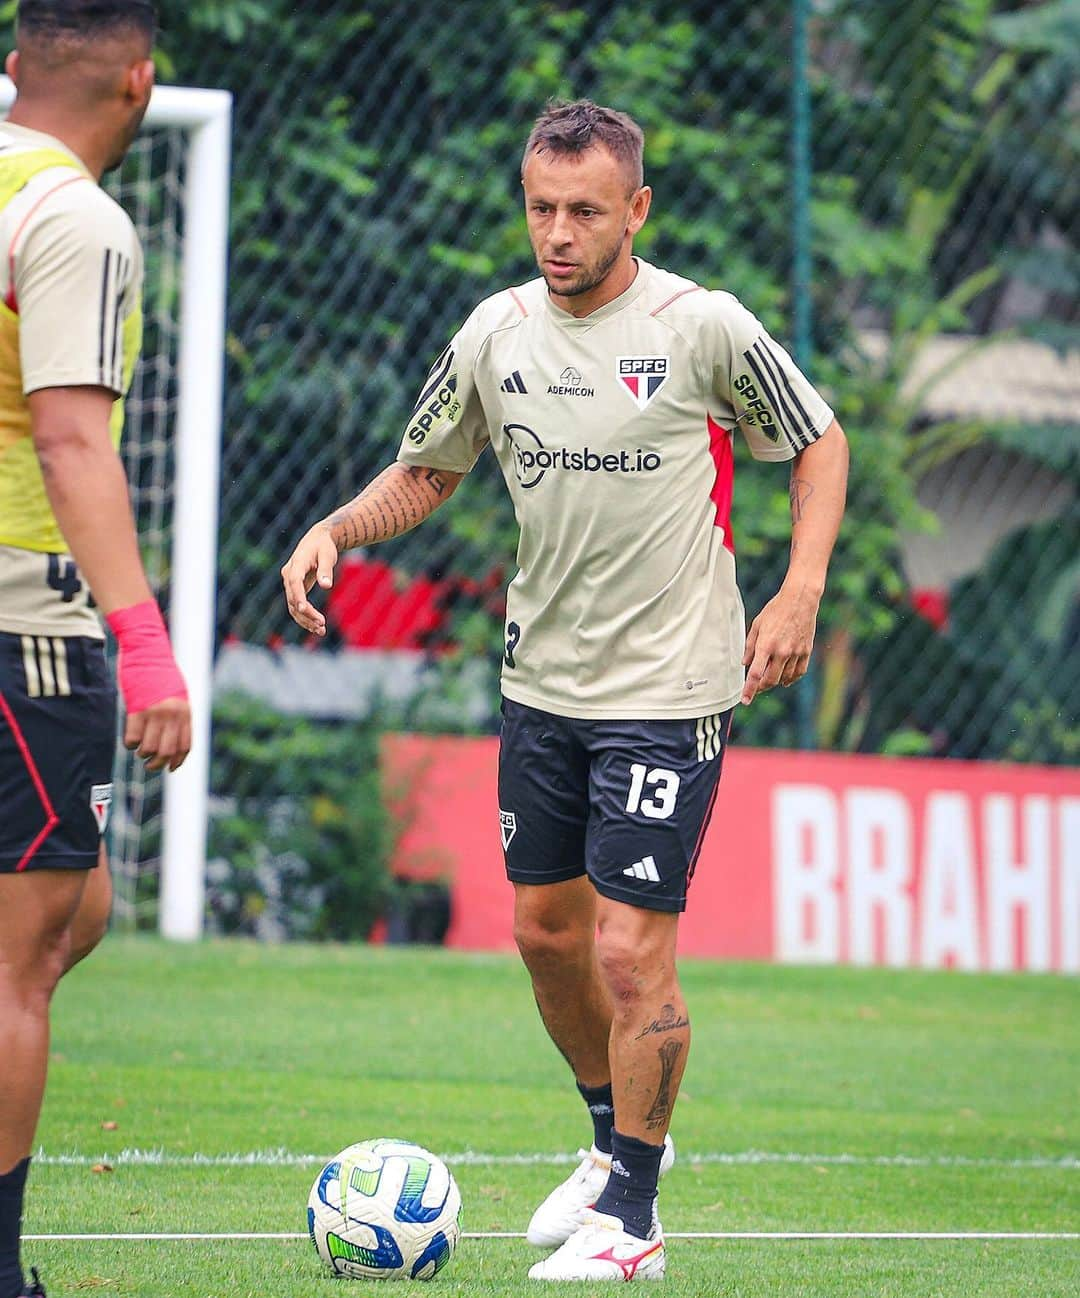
(70, 325)
(609, 391)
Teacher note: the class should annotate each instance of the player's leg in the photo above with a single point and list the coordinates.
(554, 928)
(652, 786)
(57, 728)
(36, 910)
(621, 1238)
(92, 917)
(649, 1045)
(83, 785)
(543, 800)
(543, 809)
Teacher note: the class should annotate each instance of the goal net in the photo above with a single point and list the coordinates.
(150, 186)
(174, 185)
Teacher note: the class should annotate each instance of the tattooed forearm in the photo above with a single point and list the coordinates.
(799, 493)
(399, 498)
(668, 1021)
(436, 480)
(660, 1112)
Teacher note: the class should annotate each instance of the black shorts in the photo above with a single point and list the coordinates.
(57, 741)
(625, 802)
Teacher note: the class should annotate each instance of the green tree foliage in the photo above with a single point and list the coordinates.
(300, 837)
(923, 109)
(376, 199)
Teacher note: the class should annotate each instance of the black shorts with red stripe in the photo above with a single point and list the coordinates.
(625, 802)
(57, 743)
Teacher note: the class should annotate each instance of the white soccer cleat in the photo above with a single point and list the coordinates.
(563, 1211)
(601, 1250)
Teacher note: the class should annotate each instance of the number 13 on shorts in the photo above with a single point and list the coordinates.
(663, 786)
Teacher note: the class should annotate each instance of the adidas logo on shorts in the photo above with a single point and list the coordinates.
(644, 869)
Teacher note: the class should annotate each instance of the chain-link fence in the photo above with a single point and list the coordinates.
(893, 187)
(890, 186)
(150, 187)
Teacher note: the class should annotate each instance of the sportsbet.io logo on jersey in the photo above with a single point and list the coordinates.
(532, 459)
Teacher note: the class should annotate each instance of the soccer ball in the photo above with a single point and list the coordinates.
(385, 1210)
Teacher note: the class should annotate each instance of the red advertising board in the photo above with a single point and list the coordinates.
(811, 857)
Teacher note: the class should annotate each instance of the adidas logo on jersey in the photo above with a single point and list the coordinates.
(515, 383)
(644, 869)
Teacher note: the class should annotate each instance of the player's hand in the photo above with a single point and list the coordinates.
(312, 561)
(779, 642)
(160, 734)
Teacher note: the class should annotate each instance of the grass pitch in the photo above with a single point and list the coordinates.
(815, 1100)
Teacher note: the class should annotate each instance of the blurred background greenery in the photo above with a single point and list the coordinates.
(376, 200)
(892, 186)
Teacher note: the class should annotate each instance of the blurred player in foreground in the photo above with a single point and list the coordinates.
(609, 391)
(70, 328)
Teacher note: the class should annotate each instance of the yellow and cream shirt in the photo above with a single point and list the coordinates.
(70, 316)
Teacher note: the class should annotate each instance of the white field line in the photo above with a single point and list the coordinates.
(700, 1234)
(472, 1158)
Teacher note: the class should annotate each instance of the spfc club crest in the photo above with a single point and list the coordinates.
(508, 826)
(642, 377)
(100, 802)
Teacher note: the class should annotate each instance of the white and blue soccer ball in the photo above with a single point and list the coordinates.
(385, 1210)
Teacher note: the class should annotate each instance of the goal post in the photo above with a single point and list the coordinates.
(207, 117)
(204, 117)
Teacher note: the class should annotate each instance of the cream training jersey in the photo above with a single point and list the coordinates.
(614, 434)
(70, 315)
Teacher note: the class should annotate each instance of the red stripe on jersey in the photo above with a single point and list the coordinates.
(51, 818)
(674, 298)
(520, 304)
(11, 300)
(724, 486)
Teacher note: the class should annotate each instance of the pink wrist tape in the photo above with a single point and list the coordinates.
(147, 670)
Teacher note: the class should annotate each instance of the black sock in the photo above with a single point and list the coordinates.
(602, 1111)
(631, 1188)
(12, 1186)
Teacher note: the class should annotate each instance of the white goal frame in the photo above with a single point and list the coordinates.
(206, 116)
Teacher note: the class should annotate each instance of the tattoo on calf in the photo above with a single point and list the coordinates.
(668, 1021)
(660, 1112)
